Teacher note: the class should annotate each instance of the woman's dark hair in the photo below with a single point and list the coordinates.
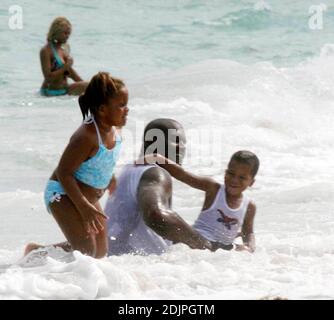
(100, 88)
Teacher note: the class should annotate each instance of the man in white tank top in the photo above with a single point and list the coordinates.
(141, 218)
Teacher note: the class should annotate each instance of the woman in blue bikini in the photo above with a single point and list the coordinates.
(86, 167)
(57, 63)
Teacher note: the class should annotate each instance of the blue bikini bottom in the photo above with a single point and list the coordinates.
(53, 192)
(53, 92)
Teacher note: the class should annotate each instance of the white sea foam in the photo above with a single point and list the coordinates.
(262, 5)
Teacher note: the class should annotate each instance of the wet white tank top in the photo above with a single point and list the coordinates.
(221, 223)
(127, 231)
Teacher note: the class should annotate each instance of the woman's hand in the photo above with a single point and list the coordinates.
(68, 63)
(92, 218)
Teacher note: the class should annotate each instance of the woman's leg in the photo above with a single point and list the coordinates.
(77, 88)
(70, 222)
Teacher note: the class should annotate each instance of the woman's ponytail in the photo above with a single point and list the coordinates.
(84, 107)
(100, 88)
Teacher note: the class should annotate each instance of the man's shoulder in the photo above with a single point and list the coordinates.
(155, 183)
(143, 175)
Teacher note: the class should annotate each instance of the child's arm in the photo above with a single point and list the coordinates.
(179, 173)
(247, 232)
(112, 185)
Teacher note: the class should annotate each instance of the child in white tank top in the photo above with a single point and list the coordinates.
(226, 209)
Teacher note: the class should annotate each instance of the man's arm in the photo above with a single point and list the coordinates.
(154, 200)
(247, 232)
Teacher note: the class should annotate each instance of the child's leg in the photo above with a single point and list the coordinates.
(71, 223)
(101, 237)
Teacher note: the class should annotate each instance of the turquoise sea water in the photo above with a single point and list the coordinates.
(237, 75)
(136, 38)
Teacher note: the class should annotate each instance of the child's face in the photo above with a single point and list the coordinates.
(115, 111)
(238, 177)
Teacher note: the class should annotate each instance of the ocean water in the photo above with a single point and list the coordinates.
(238, 75)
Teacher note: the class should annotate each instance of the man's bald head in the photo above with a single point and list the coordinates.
(166, 137)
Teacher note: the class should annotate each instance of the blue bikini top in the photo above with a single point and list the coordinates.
(98, 170)
(58, 62)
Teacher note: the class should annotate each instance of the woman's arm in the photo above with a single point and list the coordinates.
(46, 67)
(74, 75)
